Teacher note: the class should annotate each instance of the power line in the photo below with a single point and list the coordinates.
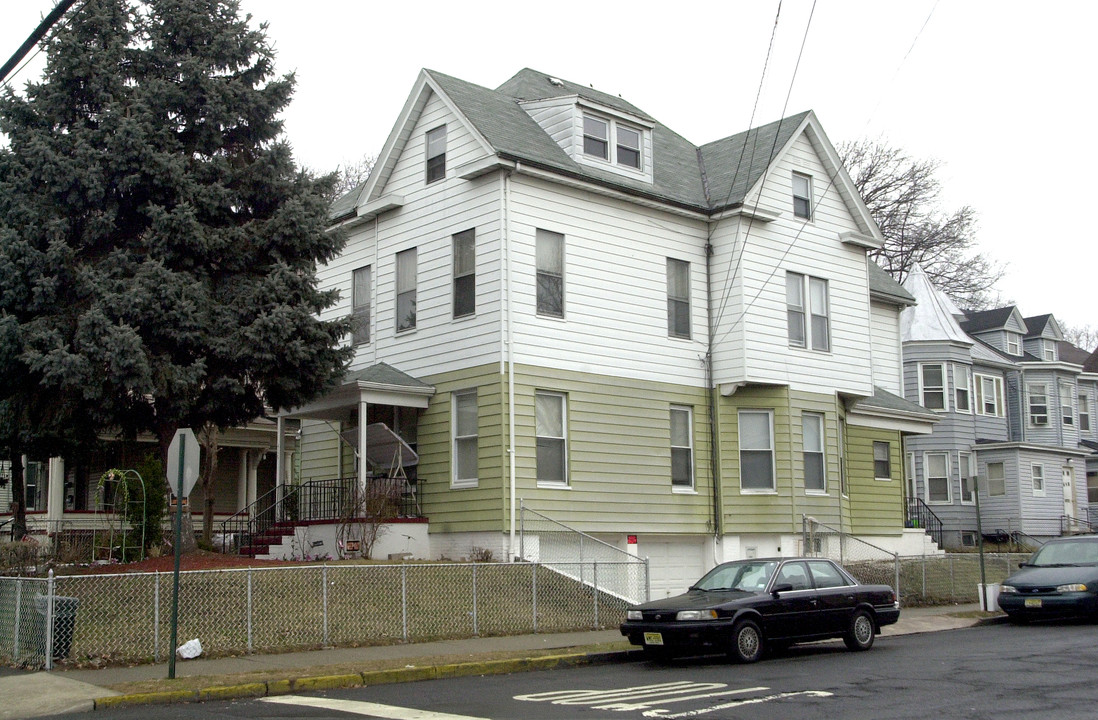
(39, 32)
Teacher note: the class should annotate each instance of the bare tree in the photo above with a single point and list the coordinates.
(1081, 336)
(903, 195)
(353, 174)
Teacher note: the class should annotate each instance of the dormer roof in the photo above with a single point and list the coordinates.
(1043, 326)
(1004, 318)
(1091, 365)
(931, 319)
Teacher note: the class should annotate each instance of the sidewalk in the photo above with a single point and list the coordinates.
(38, 694)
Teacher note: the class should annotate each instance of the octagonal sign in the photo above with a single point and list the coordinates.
(184, 443)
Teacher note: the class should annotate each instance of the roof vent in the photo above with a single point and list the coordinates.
(556, 81)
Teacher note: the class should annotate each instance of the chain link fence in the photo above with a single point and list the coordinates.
(103, 619)
(952, 578)
(867, 562)
(577, 554)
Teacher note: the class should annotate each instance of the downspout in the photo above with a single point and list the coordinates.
(508, 349)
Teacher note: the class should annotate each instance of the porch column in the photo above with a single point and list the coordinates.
(242, 478)
(254, 456)
(280, 449)
(362, 407)
(55, 493)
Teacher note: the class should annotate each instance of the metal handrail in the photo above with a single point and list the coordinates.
(918, 515)
(1069, 524)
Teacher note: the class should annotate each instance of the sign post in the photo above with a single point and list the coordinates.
(183, 470)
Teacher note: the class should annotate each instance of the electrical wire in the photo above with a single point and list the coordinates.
(41, 45)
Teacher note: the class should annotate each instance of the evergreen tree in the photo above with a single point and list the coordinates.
(159, 244)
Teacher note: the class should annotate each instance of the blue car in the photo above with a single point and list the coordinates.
(1059, 580)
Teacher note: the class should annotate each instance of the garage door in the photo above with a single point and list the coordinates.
(674, 563)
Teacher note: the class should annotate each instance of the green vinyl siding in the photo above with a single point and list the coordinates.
(317, 450)
(876, 506)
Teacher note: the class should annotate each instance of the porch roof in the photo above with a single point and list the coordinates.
(379, 384)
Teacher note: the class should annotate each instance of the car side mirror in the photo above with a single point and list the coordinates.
(783, 587)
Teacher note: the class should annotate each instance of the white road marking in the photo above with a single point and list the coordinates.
(640, 697)
(662, 714)
(375, 710)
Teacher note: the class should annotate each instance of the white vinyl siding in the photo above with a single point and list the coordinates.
(682, 448)
(938, 485)
(812, 440)
(1037, 401)
(932, 386)
(887, 348)
(551, 425)
(464, 424)
(756, 437)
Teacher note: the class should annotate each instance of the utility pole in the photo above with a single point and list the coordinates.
(38, 34)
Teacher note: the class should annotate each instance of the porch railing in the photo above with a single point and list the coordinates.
(918, 515)
(1073, 526)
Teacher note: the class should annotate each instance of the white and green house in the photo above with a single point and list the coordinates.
(560, 302)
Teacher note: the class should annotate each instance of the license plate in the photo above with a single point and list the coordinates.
(1033, 602)
(653, 639)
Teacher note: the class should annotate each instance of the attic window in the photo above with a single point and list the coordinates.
(625, 150)
(436, 154)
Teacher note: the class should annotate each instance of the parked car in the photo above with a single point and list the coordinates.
(741, 607)
(1060, 579)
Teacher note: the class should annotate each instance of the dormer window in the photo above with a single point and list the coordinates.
(1050, 352)
(624, 151)
(1013, 343)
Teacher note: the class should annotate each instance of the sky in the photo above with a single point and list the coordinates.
(994, 91)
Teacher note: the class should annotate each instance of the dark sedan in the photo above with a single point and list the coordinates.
(1060, 579)
(740, 607)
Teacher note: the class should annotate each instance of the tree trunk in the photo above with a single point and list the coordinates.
(18, 495)
(166, 433)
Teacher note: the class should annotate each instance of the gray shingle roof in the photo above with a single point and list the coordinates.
(884, 400)
(385, 374)
(882, 285)
(1091, 365)
(980, 320)
(1069, 353)
(1035, 325)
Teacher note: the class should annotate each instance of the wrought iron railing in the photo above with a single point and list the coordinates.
(918, 515)
(275, 513)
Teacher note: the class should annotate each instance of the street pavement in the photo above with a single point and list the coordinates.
(38, 694)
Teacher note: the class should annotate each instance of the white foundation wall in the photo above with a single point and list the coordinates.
(467, 545)
(317, 542)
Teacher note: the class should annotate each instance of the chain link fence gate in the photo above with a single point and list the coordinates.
(867, 562)
(580, 556)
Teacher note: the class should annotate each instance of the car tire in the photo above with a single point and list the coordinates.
(861, 632)
(747, 642)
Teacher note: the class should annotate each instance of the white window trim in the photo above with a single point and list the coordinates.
(948, 476)
(794, 197)
(690, 489)
(427, 158)
(456, 482)
(773, 460)
(670, 299)
(611, 161)
(966, 376)
(1035, 470)
(966, 460)
(412, 252)
(997, 389)
(875, 475)
(808, 311)
(1013, 343)
(1029, 404)
(1066, 392)
(563, 275)
(987, 487)
(944, 387)
(455, 276)
(1083, 403)
(822, 452)
(364, 309)
(909, 474)
(1049, 349)
(844, 490)
(566, 484)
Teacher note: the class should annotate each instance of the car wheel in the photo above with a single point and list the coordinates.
(861, 632)
(747, 642)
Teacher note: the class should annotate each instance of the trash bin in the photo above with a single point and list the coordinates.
(64, 623)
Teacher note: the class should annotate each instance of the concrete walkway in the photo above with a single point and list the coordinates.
(38, 694)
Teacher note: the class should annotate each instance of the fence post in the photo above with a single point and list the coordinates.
(582, 579)
(324, 596)
(924, 576)
(522, 530)
(534, 572)
(475, 630)
(647, 581)
(896, 569)
(952, 582)
(251, 646)
(595, 585)
(18, 617)
(404, 599)
(49, 620)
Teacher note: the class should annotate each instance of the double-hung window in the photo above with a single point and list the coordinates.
(596, 137)
(550, 427)
(1050, 351)
(360, 305)
(1037, 474)
(1013, 343)
(802, 196)
(1038, 403)
(1084, 413)
(465, 273)
(967, 467)
(682, 448)
(816, 332)
(989, 396)
(678, 298)
(812, 440)
(436, 154)
(936, 471)
(962, 388)
(932, 386)
(549, 248)
(406, 290)
(464, 423)
(1067, 403)
(629, 147)
(996, 479)
(756, 435)
(625, 149)
(882, 460)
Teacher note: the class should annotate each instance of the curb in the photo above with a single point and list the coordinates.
(313, 683)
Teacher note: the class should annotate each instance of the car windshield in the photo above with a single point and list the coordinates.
(1078, 552)
(747, 575)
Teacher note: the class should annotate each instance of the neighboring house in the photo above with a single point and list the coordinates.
(1015, 417)
(559, 301)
